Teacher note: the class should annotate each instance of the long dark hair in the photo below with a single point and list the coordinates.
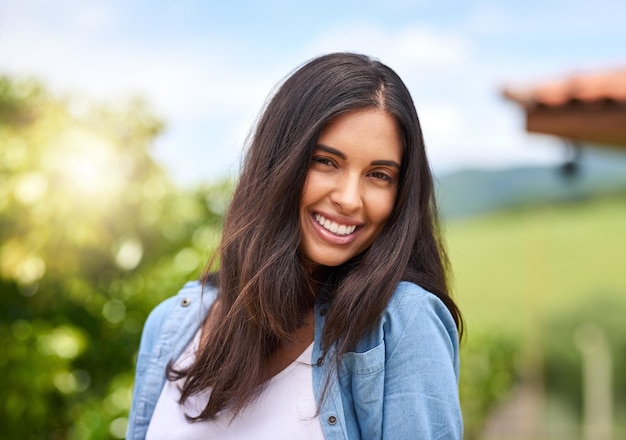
(265, 289)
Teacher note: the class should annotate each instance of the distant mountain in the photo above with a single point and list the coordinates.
(472, 192)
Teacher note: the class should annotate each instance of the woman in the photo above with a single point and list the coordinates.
(330, 315)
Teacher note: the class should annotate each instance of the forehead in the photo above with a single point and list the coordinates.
(371, 130)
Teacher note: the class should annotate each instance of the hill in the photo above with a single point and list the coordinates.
(472, 192)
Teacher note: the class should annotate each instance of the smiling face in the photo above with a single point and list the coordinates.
(351, 186)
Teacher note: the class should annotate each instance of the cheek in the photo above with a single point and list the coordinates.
(383, 207)
(314, 189)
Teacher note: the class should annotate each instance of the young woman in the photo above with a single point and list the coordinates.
(330, 316)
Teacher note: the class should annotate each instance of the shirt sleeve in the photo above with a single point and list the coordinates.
(149, 337)
(421, 398)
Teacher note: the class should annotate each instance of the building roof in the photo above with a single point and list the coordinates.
(584, 88)
(586, 107)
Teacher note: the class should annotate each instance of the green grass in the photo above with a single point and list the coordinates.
(511, 268)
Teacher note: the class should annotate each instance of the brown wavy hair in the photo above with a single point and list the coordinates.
(264, 288)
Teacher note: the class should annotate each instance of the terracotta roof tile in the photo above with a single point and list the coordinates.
(587, 88)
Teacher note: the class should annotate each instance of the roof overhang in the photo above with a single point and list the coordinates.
(586, 108)
(605, 125)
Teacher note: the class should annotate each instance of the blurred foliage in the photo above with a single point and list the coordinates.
(489, 369)
(92, 235)
(563, 356)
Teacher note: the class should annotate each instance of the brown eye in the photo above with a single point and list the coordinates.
(381, 176)
(323, 161)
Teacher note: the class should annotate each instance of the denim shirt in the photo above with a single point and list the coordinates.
(400, 382)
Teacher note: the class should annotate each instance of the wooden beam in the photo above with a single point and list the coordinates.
(601, 125)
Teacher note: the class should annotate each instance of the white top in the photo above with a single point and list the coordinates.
(284, 410)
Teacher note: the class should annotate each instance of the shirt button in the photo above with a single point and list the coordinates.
(332, 420)
(320, 361)
(185, 302)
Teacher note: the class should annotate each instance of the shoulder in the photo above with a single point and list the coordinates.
(167, 331)
(190, 293)
(192, 297)
(415, 314)
(410, 299)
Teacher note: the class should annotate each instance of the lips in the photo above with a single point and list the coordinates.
(333, 227)
(344, 233)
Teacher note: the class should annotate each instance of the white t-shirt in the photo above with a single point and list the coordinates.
(284, 410)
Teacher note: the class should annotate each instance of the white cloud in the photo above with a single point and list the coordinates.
(189, 84)
(411, 47)
(442, 121)
(93, 16)
(74, 46)
(489, 19)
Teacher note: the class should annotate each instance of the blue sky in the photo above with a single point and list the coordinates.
(206, 67)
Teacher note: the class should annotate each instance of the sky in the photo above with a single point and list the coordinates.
(207, 67)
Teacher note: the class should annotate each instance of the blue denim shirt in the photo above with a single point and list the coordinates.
(401, 381)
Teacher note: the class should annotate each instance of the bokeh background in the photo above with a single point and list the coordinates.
(121, 131)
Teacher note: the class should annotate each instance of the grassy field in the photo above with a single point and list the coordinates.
(517, 274)
(513, 267)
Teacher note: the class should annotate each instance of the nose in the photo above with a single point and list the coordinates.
(346, 194)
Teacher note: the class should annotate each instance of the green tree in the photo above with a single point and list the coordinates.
(92, 235)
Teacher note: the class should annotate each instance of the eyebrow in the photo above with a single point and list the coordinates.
(330, 150)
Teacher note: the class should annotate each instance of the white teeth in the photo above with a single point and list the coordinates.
(333, 227)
